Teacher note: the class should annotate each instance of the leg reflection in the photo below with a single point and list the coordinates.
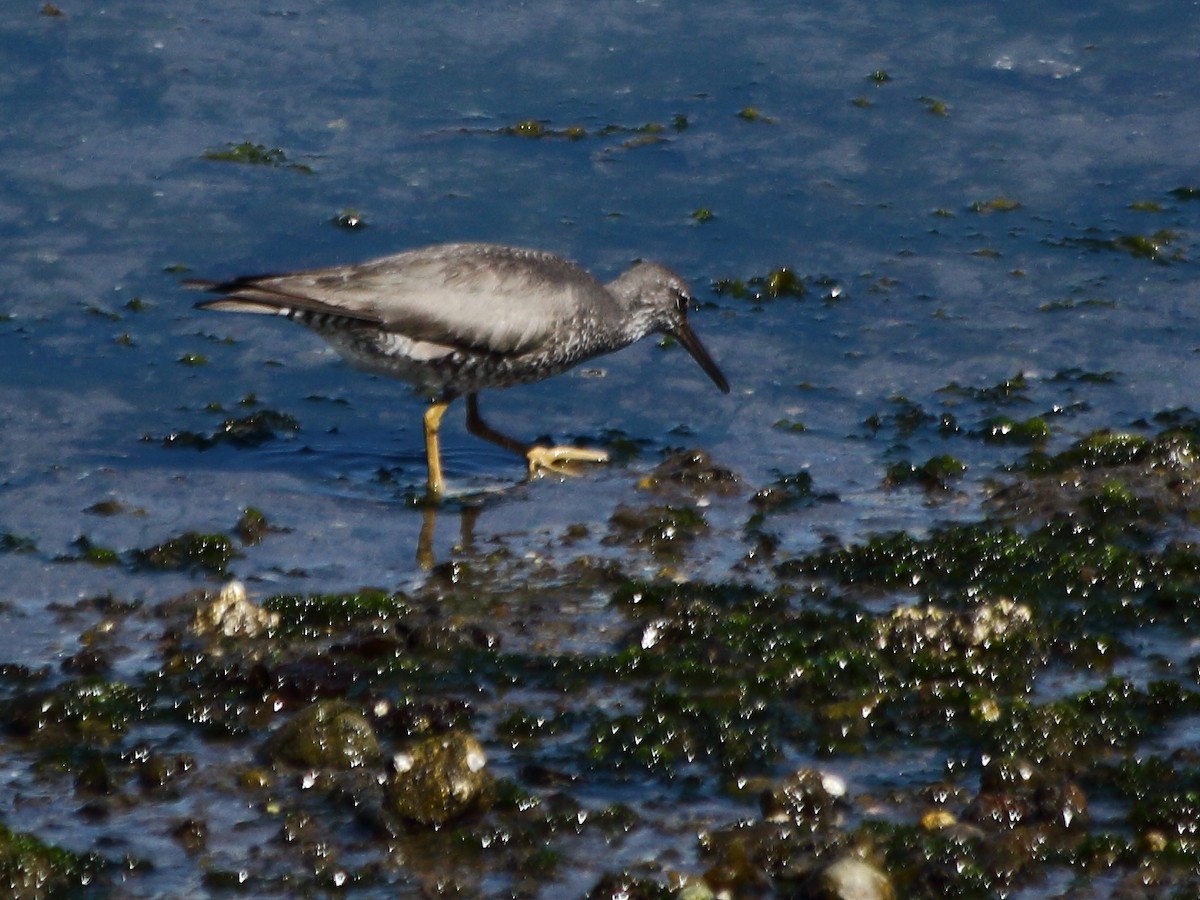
(468, 514)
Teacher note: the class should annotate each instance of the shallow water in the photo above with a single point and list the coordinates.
(1083, 122)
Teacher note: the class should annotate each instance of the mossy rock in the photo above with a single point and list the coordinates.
(328, 735)
(440, 779)
(30, 868)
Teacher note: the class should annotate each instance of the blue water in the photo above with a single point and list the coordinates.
(861, 187)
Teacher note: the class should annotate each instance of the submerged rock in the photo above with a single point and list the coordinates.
(691, 472)
(328, 735)
(440, 779)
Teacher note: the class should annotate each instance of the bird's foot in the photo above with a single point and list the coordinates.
(559, 459)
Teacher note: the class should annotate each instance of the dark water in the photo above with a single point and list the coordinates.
(983, 211)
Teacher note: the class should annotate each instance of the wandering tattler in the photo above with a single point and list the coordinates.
(454, 319)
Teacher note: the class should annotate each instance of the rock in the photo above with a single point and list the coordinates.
(328, 735)
(931, 629)
(232, 614)
(850, 878)
(690, 472)
(440, 779)
(1015, 791)
(806, 797)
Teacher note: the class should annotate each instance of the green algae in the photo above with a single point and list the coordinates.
(85, 713)
(539, 129)
(1009, 391)
(251, 430)
(954, 645)
(788, 490)
(780, 282)
(330, 734)
(308, 613)
(249, 153)
(94, 554)
(752, 114)
(996, 204)
(1160, 246)
(1007, 430)
(935, 473)
(31, 868)
(190, 551)
(1099, 449)
(659, 529)
(12, 543)
(935, 106)
(907, 417)
(253, 526)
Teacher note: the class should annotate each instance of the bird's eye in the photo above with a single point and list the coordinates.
(682, 300)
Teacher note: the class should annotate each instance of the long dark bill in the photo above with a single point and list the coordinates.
(691, 343)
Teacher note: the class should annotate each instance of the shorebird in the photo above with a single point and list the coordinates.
(454, 319)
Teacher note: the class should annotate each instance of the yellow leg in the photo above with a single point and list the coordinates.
(553, 459)
(433, 453)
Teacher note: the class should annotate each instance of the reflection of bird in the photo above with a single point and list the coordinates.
(454, 319)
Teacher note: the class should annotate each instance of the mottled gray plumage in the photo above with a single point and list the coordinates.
(454, 319)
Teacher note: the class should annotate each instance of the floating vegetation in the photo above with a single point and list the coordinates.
(751, 114)
(787, 491)
(934, 474)
(1146, 246)
(879, 77)
(255, 155)
(1011, 390)
(1158, 247)
(16, 543)
(781, 282)
(996, 204)
(794, 426)
(1004, 429)
(1071, 303)
(244, 431)
(651, 132)
(934, 106)
(1083, 376)
(702, 215)
(906, 418)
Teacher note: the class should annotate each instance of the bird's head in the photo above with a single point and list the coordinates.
(658, 299)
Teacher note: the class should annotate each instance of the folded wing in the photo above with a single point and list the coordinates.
(471, 296)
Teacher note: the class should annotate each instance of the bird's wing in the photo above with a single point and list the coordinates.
(479, 297)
